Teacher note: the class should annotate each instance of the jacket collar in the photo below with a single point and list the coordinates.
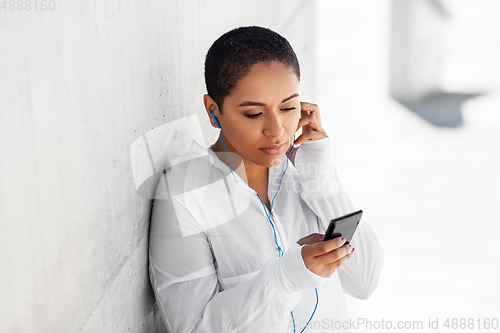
(216, 162)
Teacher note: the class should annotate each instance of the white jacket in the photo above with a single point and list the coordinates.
(214, 264)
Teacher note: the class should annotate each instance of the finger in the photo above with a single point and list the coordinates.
(309, 135)
(307, 120)
(336, 264)
(310, 124)
(310, 108)
(320, 248)
(315, 238)
(303, 121)
(311, 239)
(334, 255)
(310, 121)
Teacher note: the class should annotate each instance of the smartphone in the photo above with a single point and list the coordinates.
(343, 226)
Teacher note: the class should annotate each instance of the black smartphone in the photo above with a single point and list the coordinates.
(343, 226)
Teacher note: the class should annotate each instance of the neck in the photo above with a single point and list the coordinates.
(256, 176)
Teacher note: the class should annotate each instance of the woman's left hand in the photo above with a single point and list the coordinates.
(310, 122)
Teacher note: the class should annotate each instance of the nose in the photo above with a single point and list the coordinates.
(274, 126)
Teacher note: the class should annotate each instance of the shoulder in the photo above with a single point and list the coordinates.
(184, 175)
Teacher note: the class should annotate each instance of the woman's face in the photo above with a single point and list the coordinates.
(262, 111)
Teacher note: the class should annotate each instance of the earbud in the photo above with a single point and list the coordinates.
(218, 126)
(215, 118)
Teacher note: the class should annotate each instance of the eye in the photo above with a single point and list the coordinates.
(252, 116)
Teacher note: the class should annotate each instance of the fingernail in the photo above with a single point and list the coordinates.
(350, 245)
(342, 239)
(353, 250)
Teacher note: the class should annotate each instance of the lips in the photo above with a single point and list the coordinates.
(274, 149)
(275, 146)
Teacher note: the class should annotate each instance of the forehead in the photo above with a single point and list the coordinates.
(266, 82)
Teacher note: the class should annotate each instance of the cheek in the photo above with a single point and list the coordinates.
(245, 133)
(294, 121)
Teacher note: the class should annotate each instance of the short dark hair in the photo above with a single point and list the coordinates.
(233, 54)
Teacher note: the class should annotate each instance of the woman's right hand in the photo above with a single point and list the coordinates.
(324, 257)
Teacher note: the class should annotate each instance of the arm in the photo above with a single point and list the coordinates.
(325, 196)
(184, 280)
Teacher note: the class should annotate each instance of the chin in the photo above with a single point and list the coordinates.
(275, 160)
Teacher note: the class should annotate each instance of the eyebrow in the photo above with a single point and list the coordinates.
(262, 104)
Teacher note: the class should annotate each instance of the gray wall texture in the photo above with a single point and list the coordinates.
(79, 83)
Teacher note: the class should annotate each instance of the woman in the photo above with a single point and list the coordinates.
(236, 229)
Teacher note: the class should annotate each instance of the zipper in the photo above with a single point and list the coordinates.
(275, 227)
(278, 237)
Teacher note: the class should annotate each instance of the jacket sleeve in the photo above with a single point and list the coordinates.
(324, 194)
(183, 276)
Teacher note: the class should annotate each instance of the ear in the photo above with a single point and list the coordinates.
(209, 106)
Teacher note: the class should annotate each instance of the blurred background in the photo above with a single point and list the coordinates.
(409, 90)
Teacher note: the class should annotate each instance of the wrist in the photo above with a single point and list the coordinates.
(291, 274)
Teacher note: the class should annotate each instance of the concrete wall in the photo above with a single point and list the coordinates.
(78, 85)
